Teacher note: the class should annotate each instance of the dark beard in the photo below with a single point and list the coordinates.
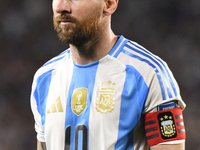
(78, 33)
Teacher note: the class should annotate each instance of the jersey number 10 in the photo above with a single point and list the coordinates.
(84, 141)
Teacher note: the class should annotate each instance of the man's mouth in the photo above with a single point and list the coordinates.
(65, 22)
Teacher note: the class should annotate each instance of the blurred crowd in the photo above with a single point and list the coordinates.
(170, 29)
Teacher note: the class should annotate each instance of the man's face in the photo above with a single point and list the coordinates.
(77, 21)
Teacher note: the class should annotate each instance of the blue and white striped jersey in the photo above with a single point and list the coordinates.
(99, 106)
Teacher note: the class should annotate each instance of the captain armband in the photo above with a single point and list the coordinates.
(164, 126)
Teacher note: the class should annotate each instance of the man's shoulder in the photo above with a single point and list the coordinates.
(53, 63)
(133, 50)
(131, 53)
(149, 65)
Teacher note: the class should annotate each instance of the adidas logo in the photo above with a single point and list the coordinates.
(55, 107)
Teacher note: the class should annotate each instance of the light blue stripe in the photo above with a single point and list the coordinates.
(155, 69)
(41, 93)
(166, 123)
(80, 140)
(163, 72)
(83, 77)
(132, 103)
(120, 49)
(153, 57)
(70, 54)
(119, 41)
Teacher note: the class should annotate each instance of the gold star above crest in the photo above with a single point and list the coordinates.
(113, 84)
(166, 117)
(109, 82)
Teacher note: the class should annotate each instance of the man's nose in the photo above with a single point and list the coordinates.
(60, 6)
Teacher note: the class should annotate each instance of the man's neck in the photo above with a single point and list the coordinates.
(93, 50)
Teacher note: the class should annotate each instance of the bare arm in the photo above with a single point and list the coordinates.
(41, 145)
(169, 147)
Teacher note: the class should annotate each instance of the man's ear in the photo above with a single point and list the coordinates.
(110, 7)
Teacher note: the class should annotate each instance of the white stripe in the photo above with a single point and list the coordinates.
(104, 127)
(63, 75)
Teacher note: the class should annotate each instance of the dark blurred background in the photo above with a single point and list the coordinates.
(170, 29)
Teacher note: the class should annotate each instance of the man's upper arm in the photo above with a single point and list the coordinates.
(41, 145)
(180, 146)
(165, 129)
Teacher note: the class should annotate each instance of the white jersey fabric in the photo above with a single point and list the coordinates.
(99, 106)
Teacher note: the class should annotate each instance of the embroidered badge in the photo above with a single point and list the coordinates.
(106, 100)
(167, 125)
(79, 100)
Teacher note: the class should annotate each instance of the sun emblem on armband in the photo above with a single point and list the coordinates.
(106, 100)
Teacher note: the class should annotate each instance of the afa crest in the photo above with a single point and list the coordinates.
(106, 100)
(167, 125)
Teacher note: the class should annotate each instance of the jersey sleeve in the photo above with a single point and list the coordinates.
(37, 117)
(163, 88)
(163, 119)
(162, 113)
(39, 93)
